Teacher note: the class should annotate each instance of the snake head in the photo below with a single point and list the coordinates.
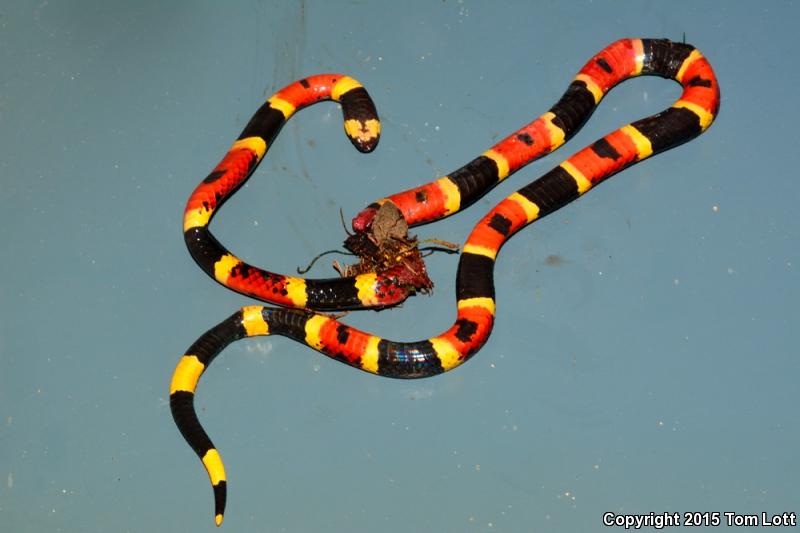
(363, 220)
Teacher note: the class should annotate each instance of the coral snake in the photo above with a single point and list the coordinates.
(689, 116)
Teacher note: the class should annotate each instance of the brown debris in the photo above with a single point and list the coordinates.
(386, 245)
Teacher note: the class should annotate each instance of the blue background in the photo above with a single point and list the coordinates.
(643, 358)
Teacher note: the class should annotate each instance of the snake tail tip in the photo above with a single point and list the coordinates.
(218, 520)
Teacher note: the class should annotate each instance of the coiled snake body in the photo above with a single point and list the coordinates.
(300, 320)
